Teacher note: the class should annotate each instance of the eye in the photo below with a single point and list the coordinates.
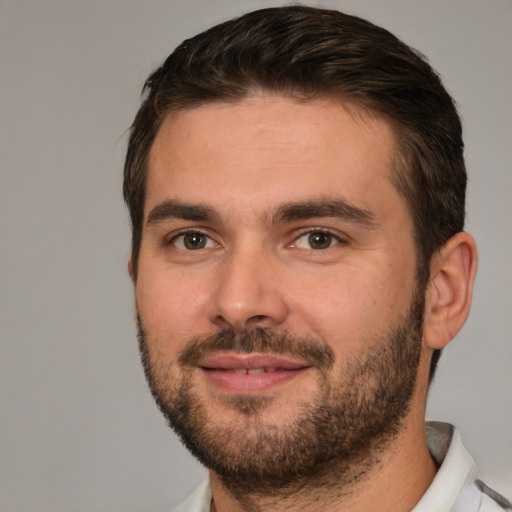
(192, 241)
(316, 240)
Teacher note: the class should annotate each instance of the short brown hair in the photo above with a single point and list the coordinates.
(309, 53)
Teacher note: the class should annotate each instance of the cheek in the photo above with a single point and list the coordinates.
(338, 315)
(347, 307)
(172, 307)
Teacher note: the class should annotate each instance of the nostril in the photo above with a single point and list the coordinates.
(222, 323)
(240, 301)
(258, 320)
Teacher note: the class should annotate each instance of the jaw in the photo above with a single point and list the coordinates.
(380, 474)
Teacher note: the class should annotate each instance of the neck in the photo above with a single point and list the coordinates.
(390, 480)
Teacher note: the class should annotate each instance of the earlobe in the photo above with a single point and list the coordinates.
(450, 289)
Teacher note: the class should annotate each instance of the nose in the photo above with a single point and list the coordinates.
(247, 292)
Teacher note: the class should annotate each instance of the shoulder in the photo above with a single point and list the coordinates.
(492, 501)
(457, 486)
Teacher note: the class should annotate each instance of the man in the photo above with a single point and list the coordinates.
(296, 186)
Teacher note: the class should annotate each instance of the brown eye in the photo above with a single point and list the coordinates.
(192, 241)
(316, 240)
(319, 240)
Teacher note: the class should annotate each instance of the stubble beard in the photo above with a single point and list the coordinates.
(336, 436)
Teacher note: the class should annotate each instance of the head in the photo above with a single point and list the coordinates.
(309, 54)
(296, 188)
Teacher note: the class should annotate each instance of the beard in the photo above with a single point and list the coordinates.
(336, 435)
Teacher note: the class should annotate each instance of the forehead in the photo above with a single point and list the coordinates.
(272, 149)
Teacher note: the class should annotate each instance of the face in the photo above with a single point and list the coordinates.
(278, 307)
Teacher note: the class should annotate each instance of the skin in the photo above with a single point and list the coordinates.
(244, 162)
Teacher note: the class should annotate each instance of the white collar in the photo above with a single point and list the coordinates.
(450, 490)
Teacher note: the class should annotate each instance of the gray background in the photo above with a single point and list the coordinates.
(78, 429)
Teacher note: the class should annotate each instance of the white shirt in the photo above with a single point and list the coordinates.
(455, 488)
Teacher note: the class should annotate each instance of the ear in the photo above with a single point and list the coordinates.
(450, 289)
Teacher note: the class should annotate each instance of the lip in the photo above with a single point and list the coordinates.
(246, 373)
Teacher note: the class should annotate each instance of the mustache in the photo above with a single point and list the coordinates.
(261, 340)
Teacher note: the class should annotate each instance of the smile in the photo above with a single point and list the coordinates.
(243, 373)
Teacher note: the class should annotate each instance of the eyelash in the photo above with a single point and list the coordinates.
(181, 234)
(332, 239)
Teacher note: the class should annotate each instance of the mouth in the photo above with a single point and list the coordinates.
(246, 371)
(250, 373)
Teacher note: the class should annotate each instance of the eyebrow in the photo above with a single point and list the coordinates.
(173, 209)
(336, 208)
(288, 212)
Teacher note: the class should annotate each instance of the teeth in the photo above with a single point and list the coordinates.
(252, 371)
